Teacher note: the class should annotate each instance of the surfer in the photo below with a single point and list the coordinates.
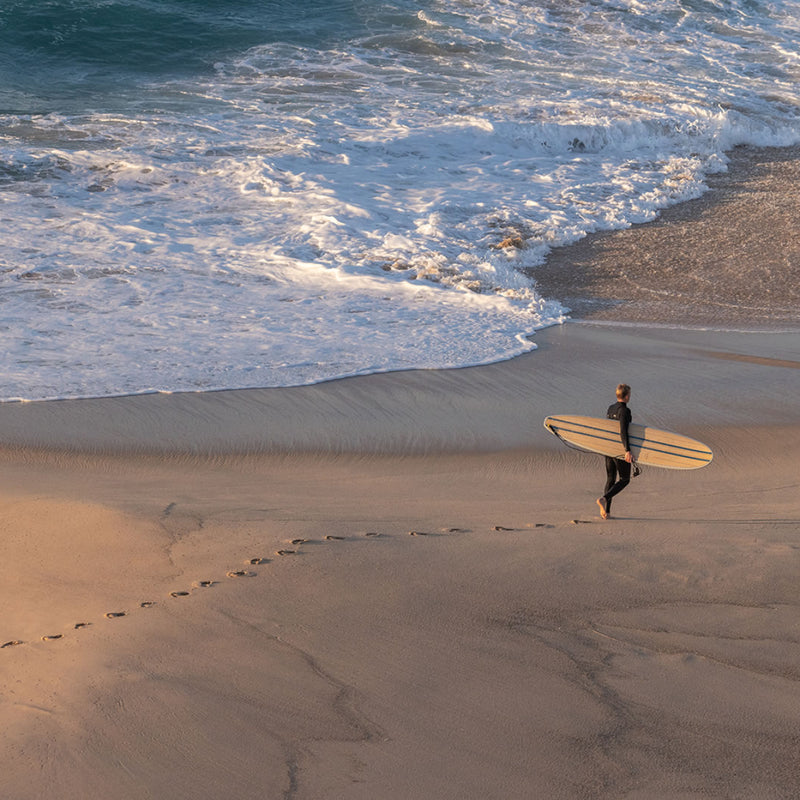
(618, 470)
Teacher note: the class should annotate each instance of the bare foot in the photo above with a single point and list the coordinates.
(601, 501)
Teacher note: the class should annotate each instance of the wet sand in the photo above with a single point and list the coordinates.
(398, 586)
(730, 259)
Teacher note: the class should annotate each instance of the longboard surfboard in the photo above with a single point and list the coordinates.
(649, 446)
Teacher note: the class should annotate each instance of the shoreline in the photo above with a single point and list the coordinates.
(664, 273)
(601, 280)
(487, 408)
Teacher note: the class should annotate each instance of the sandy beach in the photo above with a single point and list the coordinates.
(398, 586)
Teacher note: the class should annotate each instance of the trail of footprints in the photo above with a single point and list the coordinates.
(247, 573)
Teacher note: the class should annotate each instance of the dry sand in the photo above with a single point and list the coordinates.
(516, 646)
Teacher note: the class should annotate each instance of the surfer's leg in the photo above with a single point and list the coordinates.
(611, 473)
(623, 469)
(611, 478)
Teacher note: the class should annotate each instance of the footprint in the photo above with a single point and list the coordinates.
(146, 604)
(417, 533)
(331, 538)
(501, 528)
(580, 522)
(12, 643)
(454, 530)
(299, 541)
(238, 573)
(203, 584)
(115, 614)
(52, 637)
(285, 552)
(371, 533)
(179, 594)
(257, 560)
(82, 625)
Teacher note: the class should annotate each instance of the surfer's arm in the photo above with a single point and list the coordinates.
(624, 421)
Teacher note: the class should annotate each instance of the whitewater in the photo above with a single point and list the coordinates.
(195, 199)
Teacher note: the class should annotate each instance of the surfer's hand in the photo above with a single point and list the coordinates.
(629, 457)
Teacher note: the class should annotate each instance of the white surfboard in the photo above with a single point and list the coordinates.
(649, 446)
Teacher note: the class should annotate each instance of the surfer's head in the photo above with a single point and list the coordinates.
(623, 392)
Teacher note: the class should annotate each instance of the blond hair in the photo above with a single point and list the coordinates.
(623, 390)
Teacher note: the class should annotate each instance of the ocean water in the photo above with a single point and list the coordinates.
(200, 195)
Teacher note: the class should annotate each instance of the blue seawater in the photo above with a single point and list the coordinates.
(200, 195)
(92, 48)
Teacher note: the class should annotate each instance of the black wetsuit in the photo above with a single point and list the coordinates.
(618, 470)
